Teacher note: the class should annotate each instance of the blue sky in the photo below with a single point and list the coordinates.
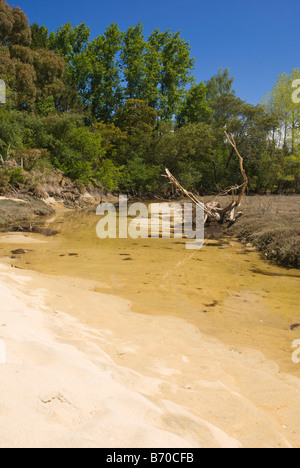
(257, 40)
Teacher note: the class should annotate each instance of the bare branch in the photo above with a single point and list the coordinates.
(190, 195)
(231, 140)
(213, 210)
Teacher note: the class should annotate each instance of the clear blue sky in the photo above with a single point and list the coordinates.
(256, 39)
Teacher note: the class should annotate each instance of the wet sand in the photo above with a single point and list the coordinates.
(225, 289)
(87, 368)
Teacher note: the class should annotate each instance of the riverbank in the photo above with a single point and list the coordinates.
(43, 194)
(272, 224)
(84, 370)
(17, 209)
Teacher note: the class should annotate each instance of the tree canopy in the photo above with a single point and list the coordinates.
(115, 110)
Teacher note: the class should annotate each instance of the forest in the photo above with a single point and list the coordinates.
(116, 110)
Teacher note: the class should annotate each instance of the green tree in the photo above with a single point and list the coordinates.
(285, 136)
(136, 117)
(72, 44)
(137, 121)
(105, 93)
(68, 42)
(219, 84)
(133, 62)
(169, 67)
(11, 132)
(32, 75)
(39, 35)
(195, 107)
(140, 177)
(14, 26)
(112, 138)
(280, 102)
(110, 175)
(88, 143)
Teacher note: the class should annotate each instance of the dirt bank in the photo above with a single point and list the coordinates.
(272, 224)
(16, 210)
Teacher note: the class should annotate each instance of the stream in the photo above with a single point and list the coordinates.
(225, 289)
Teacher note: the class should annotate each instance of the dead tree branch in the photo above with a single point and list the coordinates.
(213, 210)
(231, 140)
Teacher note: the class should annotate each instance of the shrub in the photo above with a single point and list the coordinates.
(12, 178)
(17, 177)
(4, 181)
(110, 175)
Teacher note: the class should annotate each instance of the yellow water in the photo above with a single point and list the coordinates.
(227, 291)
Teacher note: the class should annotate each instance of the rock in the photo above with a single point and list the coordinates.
(294, 326)
(20, 251)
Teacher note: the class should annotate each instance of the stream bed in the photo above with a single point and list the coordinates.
(225, 289)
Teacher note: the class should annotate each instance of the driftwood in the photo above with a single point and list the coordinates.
(213, 211)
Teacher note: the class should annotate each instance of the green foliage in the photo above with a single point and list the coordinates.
(45, 106)
(173, 69)
(105, 93)
(15, 178)
(279, 102)
(116, 110)
(110, 175)
(195, 107)
(219, 84)
(133, 62)
(32, 73)
(4, 181)
(10, 132)
(139, 177)
(71, 44)
(87, 143)
(70, 163)
(136, 117)
(39, 37)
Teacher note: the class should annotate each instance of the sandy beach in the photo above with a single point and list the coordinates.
(84, 370)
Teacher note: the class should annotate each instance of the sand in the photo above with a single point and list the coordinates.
(17, 238)
(84, 370)
(17, 200)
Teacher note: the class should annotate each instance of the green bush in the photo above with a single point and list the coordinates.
(9, 178)
(141, 178)
(4, 181)
(17, 177)
(110, 175)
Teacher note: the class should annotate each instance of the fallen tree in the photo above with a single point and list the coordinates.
(213, 210)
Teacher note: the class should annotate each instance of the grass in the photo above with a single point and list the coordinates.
(13, 212)
(272, 224)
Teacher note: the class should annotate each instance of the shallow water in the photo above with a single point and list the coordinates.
(227, 291)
